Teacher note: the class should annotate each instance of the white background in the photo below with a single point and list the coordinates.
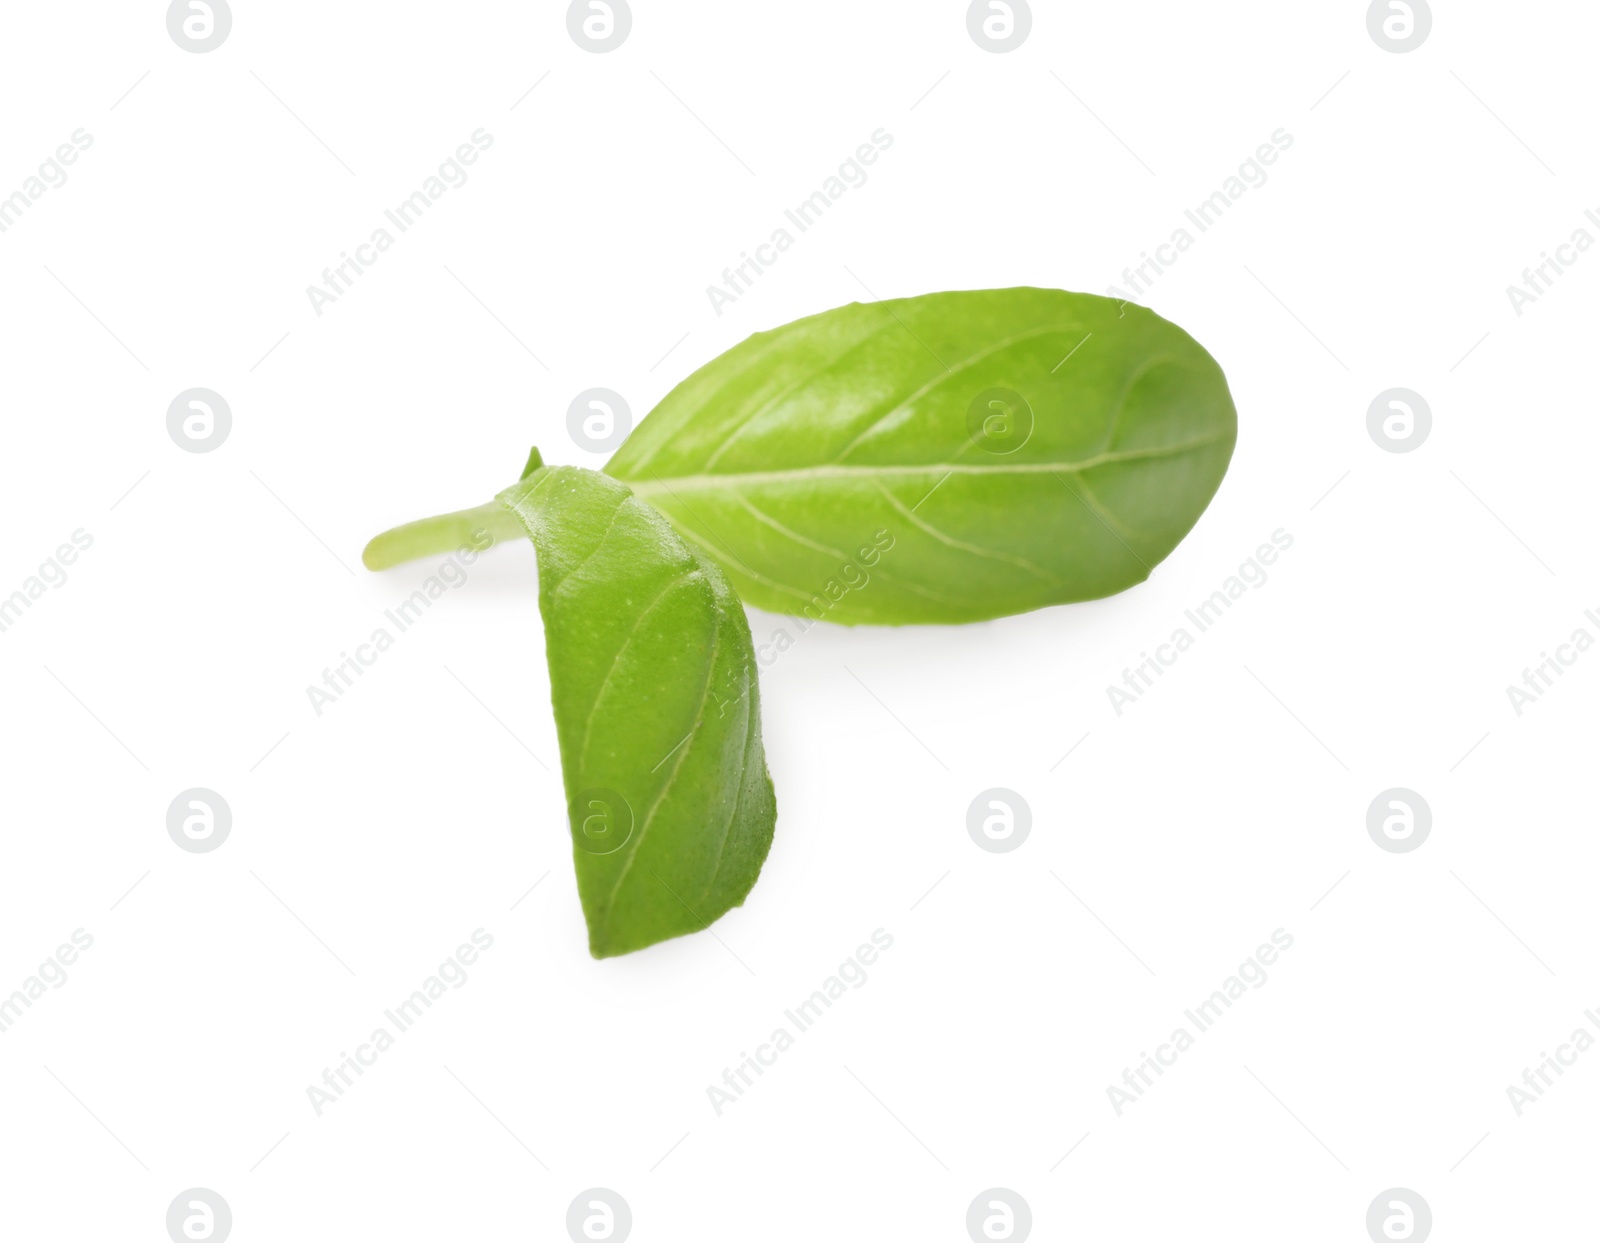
(370, 841)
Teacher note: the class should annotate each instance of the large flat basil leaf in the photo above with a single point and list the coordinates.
(947, 458)
(653, 680)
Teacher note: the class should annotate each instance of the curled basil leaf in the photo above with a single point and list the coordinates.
(653, 680)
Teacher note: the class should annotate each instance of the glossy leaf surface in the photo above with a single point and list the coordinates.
(653, 680)
(945, 458)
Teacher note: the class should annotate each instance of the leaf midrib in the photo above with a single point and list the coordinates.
(658, 484)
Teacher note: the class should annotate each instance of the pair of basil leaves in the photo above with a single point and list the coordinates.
(954, 457)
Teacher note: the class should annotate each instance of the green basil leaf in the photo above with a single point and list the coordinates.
(653, 680)
(946, 458)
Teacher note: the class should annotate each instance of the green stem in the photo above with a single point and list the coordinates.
(446, 533)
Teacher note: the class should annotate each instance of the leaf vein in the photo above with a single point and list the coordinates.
(605, 682)
(777, 526)
(713, 482)
(977, 550)
(751, 725)
(699, 717)
(805, 379)
(1137, 374)
(950, 374)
